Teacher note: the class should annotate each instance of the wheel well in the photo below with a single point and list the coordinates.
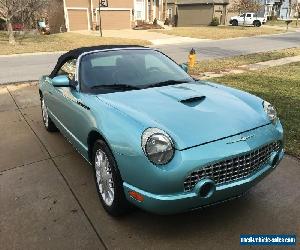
(92, 138)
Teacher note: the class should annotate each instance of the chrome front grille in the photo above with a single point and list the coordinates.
(232, 169)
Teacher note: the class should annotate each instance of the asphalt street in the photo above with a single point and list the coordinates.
(32, 67)
(48, 197)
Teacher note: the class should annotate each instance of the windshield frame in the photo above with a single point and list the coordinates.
(78, 64)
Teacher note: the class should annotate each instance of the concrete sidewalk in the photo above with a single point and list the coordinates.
(48, 198)
(154, 37)
(250, 67)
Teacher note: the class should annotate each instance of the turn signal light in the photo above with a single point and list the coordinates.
(136, 196)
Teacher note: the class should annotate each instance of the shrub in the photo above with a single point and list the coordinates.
(215, 22)
(167, 21)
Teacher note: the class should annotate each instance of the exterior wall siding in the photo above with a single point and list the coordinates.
(78, 3)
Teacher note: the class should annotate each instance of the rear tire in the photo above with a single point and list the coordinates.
(108, 181)
(49, 125)
(235, 23)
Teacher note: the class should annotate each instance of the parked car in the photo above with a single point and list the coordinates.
(18, 26)
(247, 19)
(157, 138)
(15, 26)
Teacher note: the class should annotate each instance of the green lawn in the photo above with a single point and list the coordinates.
(217, 65)
(281, 87)
(58, 42)
(220, 32)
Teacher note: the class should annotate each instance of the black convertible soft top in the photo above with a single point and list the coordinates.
(75, 53)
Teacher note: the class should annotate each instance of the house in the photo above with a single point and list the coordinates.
(197, 12)
(118, 14)
(277, 8)
(270, 8)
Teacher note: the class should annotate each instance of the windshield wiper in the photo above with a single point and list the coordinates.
(115, 86)
(166, 83)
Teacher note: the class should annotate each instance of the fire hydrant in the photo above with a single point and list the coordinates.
(192, 58)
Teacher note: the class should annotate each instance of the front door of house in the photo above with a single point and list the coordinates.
(139, 9)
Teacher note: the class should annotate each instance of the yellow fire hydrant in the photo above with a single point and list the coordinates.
(192, 59)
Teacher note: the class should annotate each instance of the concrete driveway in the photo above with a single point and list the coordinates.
(48, 199)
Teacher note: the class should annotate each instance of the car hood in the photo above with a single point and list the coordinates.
(191, 113)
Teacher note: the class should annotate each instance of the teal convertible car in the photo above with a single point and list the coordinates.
(157, 138)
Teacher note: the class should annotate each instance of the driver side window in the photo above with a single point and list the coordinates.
(68, 69)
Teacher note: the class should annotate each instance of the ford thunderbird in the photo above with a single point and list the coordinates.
(157, 138)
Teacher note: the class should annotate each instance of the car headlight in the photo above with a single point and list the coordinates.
(270, 111)
(157, 146)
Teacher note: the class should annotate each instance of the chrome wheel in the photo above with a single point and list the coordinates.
(45, 113)
(104, 177)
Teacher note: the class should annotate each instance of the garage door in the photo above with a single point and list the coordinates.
(78, 20)
(115, 19)
(194, 15)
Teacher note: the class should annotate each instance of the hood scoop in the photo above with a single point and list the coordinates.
(193, 101)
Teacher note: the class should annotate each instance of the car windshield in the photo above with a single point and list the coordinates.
(128, 69)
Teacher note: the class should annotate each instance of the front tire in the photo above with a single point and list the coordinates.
(108, 181)
(235, 23)
(49, 125)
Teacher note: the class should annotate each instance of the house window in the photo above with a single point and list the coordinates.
(170, 13)
(139, 9)
(138, 14)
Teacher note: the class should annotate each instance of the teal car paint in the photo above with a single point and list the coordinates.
(217, 141)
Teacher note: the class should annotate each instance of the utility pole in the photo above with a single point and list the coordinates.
(100, 23)
(102, 3)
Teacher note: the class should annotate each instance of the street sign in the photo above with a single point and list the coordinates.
(104, 3)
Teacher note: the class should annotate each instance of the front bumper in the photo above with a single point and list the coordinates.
(186, 201)
(163, 187)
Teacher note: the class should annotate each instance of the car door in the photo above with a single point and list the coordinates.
(70, 113)
(249, 19)
(241, 19)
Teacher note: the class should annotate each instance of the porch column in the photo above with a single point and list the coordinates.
(165, 9)
(146, 11)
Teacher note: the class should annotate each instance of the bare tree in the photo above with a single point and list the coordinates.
(243, 6)
(10, 9)
(296, 9)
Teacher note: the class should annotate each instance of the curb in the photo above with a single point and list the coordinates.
(30, 82)
(34, 54)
